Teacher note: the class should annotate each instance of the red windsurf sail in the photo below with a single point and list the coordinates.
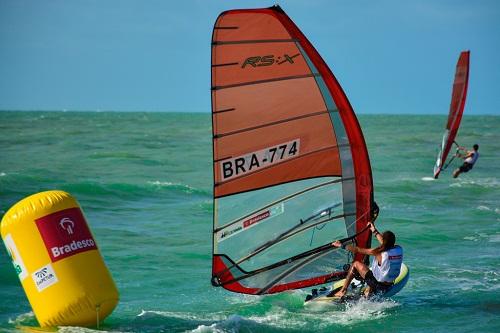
(291, 168)
(457, 106)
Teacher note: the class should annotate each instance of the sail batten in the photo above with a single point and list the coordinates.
(283, 78)
(291, 169)
(254, 41)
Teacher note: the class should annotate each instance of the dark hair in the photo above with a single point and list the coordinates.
(476, 146)
(388, 242)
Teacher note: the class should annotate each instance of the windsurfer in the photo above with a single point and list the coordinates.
(470, 159)
(385, 267)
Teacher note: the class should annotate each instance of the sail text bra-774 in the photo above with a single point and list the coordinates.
(290, 164)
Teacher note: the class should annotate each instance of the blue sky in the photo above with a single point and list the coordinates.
(390, 56)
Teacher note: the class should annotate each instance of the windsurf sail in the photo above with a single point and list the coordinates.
(291, 168)
(457, 106)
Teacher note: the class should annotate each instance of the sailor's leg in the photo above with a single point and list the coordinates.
(360, 268)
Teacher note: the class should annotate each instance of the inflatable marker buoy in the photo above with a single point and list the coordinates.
(57, 261)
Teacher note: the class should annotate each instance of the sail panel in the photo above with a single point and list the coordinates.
(245, 25)
(267, 62)
(307, 219)
(242, 206)
(248, 106)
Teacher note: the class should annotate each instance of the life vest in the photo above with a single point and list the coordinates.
(472, 159)
(390, 266)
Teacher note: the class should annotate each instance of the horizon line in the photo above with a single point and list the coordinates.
(209, 112)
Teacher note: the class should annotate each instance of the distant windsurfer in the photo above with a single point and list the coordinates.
(470, 158)
(385, 267)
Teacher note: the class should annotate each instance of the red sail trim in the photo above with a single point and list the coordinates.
(361, 161)
(307, 283)
(219, 266)
(457, 104)
(236, 286)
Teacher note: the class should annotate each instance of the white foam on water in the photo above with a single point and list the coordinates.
(486, 208)
(242, 298)
(480, 182)
(22, 317)
(185, 315)
(325, 315)
(470, 279)
(3, 174)
(311, 317)
(185, 187)
(494, 238)
(362, 310)
(428, 179)
(231, 324)
(483, 237)
(207, 329)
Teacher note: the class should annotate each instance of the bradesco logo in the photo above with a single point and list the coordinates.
(65, 233)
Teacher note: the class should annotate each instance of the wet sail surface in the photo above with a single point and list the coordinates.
(291, 169)
(458, 96)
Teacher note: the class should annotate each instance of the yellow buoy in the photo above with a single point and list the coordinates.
(57, 261)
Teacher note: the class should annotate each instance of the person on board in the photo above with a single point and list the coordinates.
(470, 158)
(385, 267)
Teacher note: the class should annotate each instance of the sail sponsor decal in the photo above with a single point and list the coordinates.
(245, 164)
(250, 222)
(44, 277)
(65, 233)
(17, 261)
(268, 60)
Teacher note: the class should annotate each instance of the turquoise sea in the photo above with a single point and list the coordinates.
(144, 181)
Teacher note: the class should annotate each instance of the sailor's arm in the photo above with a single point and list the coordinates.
(375, 232)
(353, 248)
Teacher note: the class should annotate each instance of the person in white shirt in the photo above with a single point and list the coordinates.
(470, 158)
(385, 267)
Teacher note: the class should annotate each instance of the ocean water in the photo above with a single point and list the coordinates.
(144, 181)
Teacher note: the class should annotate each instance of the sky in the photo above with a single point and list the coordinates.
(390, 56)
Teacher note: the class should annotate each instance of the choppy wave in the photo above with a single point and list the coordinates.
(136, 190)
(145, 183)
(476, 182)
(178, 187)
(183, 315)
(281, 317)
(23, 318)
